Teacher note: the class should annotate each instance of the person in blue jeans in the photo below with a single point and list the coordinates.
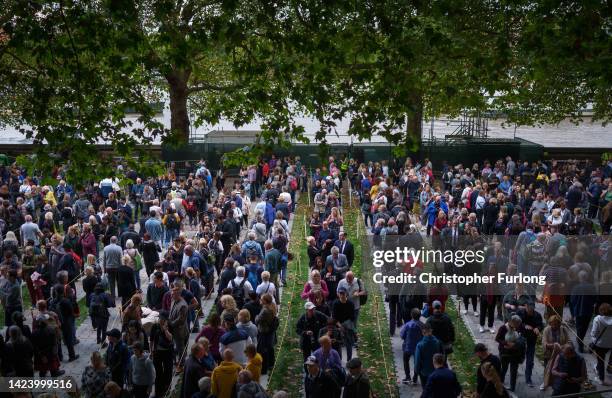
(172, 224)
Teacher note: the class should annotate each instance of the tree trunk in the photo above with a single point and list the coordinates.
(414, 127)
(179, 117)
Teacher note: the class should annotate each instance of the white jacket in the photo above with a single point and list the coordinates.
(601, 332)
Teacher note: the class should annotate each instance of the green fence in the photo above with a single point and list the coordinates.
(467, 151)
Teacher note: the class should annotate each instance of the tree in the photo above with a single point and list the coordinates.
(561, 58)
(73, 69)
(70, 70)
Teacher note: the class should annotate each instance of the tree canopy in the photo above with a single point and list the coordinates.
(73, 72)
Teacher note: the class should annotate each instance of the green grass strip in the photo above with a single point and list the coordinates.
(462, 360)
(374, 348)
(287, 373)
(83, 311)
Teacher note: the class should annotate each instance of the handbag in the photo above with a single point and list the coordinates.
(363, 299)
(137, 262)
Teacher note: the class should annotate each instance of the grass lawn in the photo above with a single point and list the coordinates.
(287, 373)
(84, 312)
(374, 348)
(463, 360)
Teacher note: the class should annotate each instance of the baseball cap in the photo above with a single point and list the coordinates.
(309, 305)
(342, 290)
(436, 304)
(311, 360)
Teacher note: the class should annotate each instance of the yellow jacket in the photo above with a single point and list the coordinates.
(223, 379)
(374, 191)
(50, 197)
(254, 366)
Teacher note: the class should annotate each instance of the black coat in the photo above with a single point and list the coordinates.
(127, 235)
(194, 371)
(20, 356)
(313, 324)
(480, 379)
(313, 253)
(68, 264)
(126, 285)
(349, 251)
(322, 386)
(357, 387)
(150, 254)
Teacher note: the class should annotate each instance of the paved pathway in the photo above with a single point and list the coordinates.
(522, 390)
(87, 335)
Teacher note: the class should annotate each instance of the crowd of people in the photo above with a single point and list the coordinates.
(149, 255)
(164, 246)
(549, 219)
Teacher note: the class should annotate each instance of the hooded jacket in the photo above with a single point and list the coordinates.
(425, 350)
(251, 247)
(237, 340)
(249, 390)
(223, 379)
(254, 366)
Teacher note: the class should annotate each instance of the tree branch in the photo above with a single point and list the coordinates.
(201, 86)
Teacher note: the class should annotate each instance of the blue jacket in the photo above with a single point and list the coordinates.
(505, 186)
(442, 383)
(138, 189)
(154, 228)
(432, 213)
(233, 335)
(411, 334)
(251, 246)
(330, 361)
(423, 356)
(238, 201)
(269, 214)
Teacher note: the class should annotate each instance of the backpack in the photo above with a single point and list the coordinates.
(171, 222)
(238, 293)
(293, 184)
(529, 239)
(54, 306)
(97, 308)
(252, 251)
